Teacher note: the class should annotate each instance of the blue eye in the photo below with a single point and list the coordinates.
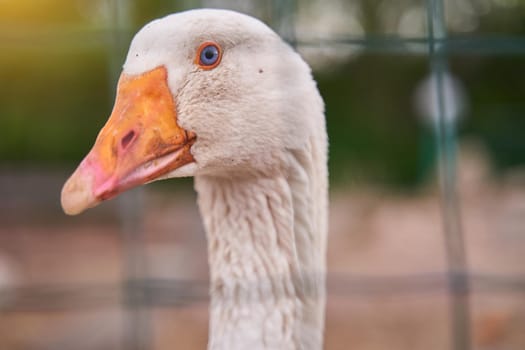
(209, 55)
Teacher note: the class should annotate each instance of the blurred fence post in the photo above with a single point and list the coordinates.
(136, 323)
(445, 135)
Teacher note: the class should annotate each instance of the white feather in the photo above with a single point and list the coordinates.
(260, 172)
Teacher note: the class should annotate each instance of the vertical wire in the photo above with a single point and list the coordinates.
(283, 12)
(445, 135)
(136, 333)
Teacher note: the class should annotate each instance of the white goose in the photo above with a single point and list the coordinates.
(219, 96)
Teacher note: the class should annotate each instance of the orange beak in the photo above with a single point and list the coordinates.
(140, 142)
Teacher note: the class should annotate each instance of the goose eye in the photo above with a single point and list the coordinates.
(209, 55)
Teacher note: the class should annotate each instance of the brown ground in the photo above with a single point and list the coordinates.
(387, 284)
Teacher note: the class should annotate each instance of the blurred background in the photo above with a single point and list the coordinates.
(425, 107)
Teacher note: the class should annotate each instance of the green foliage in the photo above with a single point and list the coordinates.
(56, 92)
(372, 127)
(51, 105)
(497, 115)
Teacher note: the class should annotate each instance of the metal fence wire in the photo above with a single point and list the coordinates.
(139, 292)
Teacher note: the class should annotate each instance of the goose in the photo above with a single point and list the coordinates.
(219, 96)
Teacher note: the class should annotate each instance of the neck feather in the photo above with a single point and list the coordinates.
(266, 246)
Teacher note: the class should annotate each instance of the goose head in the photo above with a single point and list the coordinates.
(202, 92)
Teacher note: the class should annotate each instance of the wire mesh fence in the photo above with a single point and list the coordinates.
(141, 292)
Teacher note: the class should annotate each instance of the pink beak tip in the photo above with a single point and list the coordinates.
(77, 194)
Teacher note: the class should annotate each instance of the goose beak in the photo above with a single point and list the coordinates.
(140, 142)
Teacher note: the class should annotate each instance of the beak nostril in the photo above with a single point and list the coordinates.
(126, 140)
